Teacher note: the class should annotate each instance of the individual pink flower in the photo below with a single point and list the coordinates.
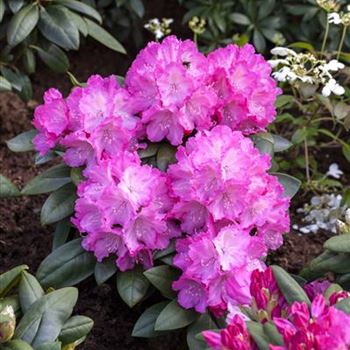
(234, 337)
(218, 265)
(315, 288)
(321, 327)
(168, 80)
(51, 121)
(246, 91)
(220, 176)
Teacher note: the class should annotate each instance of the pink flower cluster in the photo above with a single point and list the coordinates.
(320, 327)
(218, 194)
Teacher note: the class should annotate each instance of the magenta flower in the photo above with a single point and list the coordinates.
(168, 80)
(51, 121)
(246, 91)
(320, 328)
(220, 176)
(315, 288)
(234, 337)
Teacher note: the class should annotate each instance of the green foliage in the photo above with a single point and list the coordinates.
(44, 320)
(45, 30)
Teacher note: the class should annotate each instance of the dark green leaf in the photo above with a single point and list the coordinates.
(29, 291)
(22, 142)
(144, 326)
(272, 334)
(165, 156)
(49, 346)
(266, 8)
(55, 58)
(344, 305)
(101, 35)
(173, 316)
(105, 270)
(15, 344)
(50, 180)
(259, 41)
(15, 5)
(132, 286)
(162, 278)
(302, 45)
(45, 318)
(58, 205)
(256, 330)
(2, 9)
(150, 151)
(203, 323)
(346, 151)
(240, 18)
(79, 22)
(9, 279)
(284, 100)
(291, 184)
(7, 188)
(137, 6)
(61, 234)
(22, 23)
(56, 26)
(280, 144)
(75, 328)
(289, 287)
(82, 8)
(264, 143)
(66, 266)
(339, 244)
(28, 60)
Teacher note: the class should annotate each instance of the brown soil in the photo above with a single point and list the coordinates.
(24, 240)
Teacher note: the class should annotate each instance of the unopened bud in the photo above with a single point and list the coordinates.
(7, 324)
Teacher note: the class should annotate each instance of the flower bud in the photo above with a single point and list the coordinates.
(7, 324)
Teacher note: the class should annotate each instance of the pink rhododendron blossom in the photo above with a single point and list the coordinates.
(234, 337)
(220, 176)
(169, 80)
(315, 288)
(124, 212)
(216, 268)
(246, 91)
(51, 121)
(320, 328)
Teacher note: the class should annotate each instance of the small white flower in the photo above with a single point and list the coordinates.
(334, 171)
(285, 74)
(275, 63)
(333, 66)
(334, 18)
(332, 86)
(283, 51)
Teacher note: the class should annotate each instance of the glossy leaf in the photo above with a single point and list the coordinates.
(162, 278)
(138, 8)
(101, 35)
(80, 7)
(240, 18)
(10, 279)
(56, 26)
(7, 188)
(61, 233)
(15, 5)
(256, 330)
(58, 205)
(280, 144)
(173, 316)
(2, 9)
(5, 85)
(50, 346)
(66, 266)
(22, 142)
(132, 286)
(50, 180)
(291, 184)
(203, 323)
(22, 23)
(55, 58)
(75, 328)
(144, 326)
(45, 318)
(289, 287)
(15, 344)
(104, 270)
(29, 61)
(29, 291)
(339, 244)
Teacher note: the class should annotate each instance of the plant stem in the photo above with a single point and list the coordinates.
(307, 162)
(325, 37)
(342, 41)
